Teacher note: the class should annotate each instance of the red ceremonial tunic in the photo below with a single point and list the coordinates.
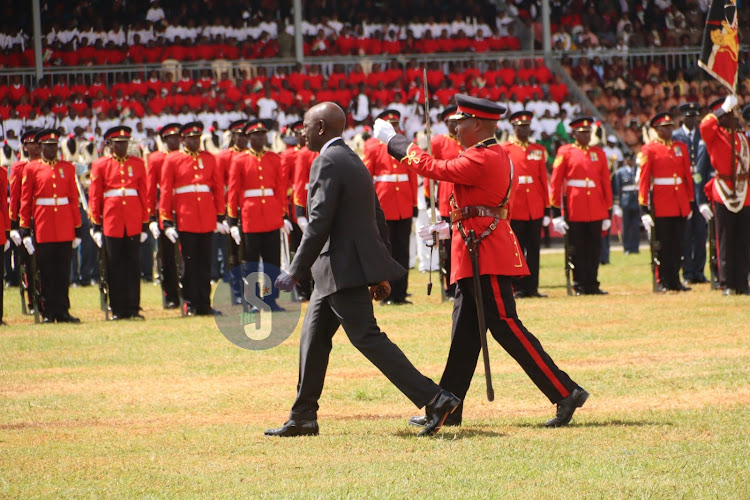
(395, 185)
(302, 167)
(480, 176)
(719, 148)
(529, 168)
(445, 147)
(16, 175)
(288, 159)
(49, 195)
(257, 191)
(191, 190)
(118, 196)
(154, 165)
(4, 214)
(665, 168)
(585, 173)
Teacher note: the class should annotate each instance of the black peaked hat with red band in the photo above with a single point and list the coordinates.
(169, 129)
(661, 119)
(47, 136)
(390, 115)
(714, 106)
(476, 107)
(522, 117)
(296, 126)
(256, 126)
(582, 123)
(29, 135)
(690, 108)
(192, 128)
(118, 133)
(448, 112)
(237, 126)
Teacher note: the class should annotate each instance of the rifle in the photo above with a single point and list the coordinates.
(654, 247)
(471, 245)
(36, 299)
(433, 206)
(23, 285)
(568, 250)
(160, 271)
(713, 261)
(180, 272)
(103, 282)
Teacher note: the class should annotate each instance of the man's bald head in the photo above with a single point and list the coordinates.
(322, 123)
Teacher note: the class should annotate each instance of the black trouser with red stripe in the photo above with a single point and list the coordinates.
(399, 232)
(53, 261)
(585, 246)
(733, 239)
(266, 246)
(529, 234)
(670, 234)
(502, 321)
(124, 274)
(168, 270)
(196, 278)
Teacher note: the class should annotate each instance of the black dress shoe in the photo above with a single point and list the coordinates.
(399, 302)
(118, 317)
(293, 428)
(567, 407)
(696, 281)
(138, 317)
(438, 410)
(171, 305)
(683, 288)
(728, 291)
(536, 294)
(67, 318)
(520, 294)
(453, 420)
(48, 319)
(599, 291)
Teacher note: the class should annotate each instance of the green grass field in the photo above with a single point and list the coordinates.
(168, 408)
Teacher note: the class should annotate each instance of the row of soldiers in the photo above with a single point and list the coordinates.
(183, 195)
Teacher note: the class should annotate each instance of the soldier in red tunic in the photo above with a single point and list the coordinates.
(396, 187)
(580, 185)
(192, 202)
(482, 188)
(118, 209)
(446, 147)
(257, 194)
(729, 194)
(665, 192)
(170, 135)
(49, 196)
(300, 187)
(528, 212)
(34, 152)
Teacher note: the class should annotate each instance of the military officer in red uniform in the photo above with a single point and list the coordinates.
(257, 195)
(396, 188)
(729, 194)
(170, 136)
(665, 192)
(528, 212)
(446, 147)
(118, 209)
(49, 196)
(580, 185)
(300, 186)
(4, 233)
(192, 202)
(33, 152)
(482, 188)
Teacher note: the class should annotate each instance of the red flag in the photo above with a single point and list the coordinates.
(721, 43)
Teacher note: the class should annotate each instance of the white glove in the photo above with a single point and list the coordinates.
(144, 237)
(16, 237)
(606, 224)
(171, 234)
(226, 226)
(234, 231)
(559, 225)
(154, 228)
(29, 245)
(617, 211)
(546, 220)
(302, 223)
(220, 228)
(383, 130)
(76, 242)
(729, 103)
(287, 227)
(442, 229)
(690, 215)
(7, 245)
(705, 211)
(97, 237)
(648, 222)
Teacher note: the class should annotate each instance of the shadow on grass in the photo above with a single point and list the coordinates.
(605, 423)
(454, 434)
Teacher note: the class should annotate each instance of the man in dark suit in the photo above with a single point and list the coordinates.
(346, 247)
(694, 247)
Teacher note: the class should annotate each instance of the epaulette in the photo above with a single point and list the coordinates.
(490, 141)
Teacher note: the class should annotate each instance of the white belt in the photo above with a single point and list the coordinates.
(113, 193)
(667, 181)
(630, 187)
(391, 178)
(192, 188)
(255, 193)
(581, 183)
(51, 202)
(525, 179)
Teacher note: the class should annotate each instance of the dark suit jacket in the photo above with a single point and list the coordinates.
(346, 242)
